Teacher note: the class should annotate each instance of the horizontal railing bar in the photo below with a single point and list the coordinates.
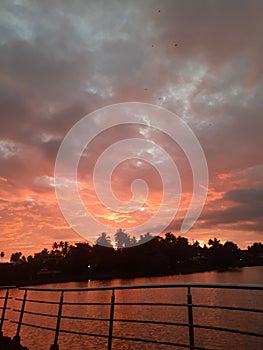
(62, 330)
(64, 303)
(188, 325)
(39, 301)
(7, 287)
(85, 318)
(194, 305)
(115, 320)
(35, 313)
(64, 316)
(106, 319)
(185, 305)
(149, 304)
(146, 304)
(229, 330)
(147, 322)
(3, 298)
(84, 303)
(225, 308)
(153, 322)
(152, 286)
(114, 337)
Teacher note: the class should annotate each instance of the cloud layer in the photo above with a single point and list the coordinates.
(61, 60)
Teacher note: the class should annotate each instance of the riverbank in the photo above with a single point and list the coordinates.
(110, 276)
(157, 257)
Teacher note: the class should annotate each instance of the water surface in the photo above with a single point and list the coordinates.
(37, 339)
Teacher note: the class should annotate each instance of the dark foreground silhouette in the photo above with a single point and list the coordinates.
(157, 256)
(6, 343)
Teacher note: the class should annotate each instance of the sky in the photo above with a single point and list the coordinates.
(61, 60)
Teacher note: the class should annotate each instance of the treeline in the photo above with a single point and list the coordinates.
(156, 256)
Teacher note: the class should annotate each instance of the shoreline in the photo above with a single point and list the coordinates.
(99, 277)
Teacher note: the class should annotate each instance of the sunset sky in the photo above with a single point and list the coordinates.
(61, 60)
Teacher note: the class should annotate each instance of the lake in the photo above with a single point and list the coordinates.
(37, 339)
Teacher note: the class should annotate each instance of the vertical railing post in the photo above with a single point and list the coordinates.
(111, 320)
(55, 345)
(21, 314)
(3, 312)
(16, 339)
(190, 319)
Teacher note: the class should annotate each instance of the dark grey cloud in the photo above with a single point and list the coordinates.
(59, 60)
(249, 196)
(216, 30)
(246, 213)
(241, 213)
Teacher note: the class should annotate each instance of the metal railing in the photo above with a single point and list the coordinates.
(112, 320)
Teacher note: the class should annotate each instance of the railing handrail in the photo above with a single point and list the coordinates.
(7, 287)
(151, 286)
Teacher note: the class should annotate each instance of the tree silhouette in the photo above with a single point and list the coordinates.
(256, 249)
(16, 257)
(122, 239)
(170, 238)
(60, 249)
(147, 256)
(65, 248)
(55, 246)
(214, 243)
(230, 254)
(145, 238)
(104, 240)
